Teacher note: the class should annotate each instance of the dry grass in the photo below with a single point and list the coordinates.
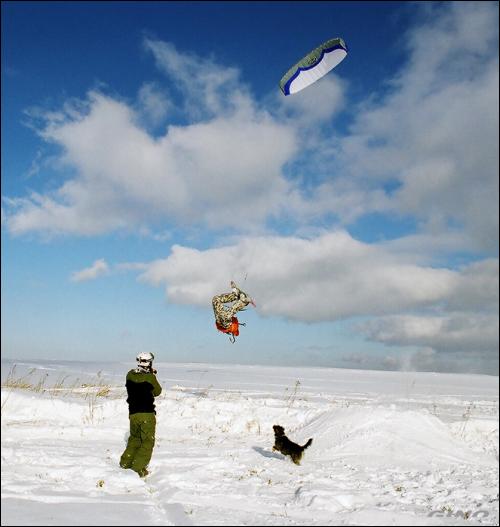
(91, 391)
(31, 382)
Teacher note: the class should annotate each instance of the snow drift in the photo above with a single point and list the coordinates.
(389, 449)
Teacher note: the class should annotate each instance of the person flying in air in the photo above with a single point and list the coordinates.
(225, 317)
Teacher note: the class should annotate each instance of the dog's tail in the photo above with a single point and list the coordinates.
(309, 441)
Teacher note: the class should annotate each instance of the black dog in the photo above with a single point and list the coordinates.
(286, 447)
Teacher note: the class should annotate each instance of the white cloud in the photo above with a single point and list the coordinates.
(466, 319)
(329, 277)
(34, 169)
(207, 87)
(50, 216)
(153, 102)
(333, 277)
(318, 104)
(97, 269)
(433, 136)
(436, 133)
(478, 288)
(455, 332)
(221, 172)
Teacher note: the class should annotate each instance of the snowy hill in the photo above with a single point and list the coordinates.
(389, 448)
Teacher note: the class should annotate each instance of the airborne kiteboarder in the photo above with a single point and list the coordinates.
(225, 319)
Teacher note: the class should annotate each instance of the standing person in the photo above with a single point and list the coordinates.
(142, 388)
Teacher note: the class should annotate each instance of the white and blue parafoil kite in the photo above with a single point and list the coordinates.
(313, 66)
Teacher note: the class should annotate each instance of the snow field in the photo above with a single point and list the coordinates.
(375, 459)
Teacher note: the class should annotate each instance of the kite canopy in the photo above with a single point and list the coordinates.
(313, 66)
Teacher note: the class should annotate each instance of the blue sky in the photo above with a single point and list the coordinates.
(149, 157)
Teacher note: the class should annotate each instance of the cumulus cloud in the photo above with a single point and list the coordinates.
(424, 359)
(431, 137)
(333, 277)
(302, 109)
(448, 333)
(122, 177)
(128, 179)
(97, 269)
(153, 102)
(330, 277)
(434, 137)
(464, 321)
(208, 88)
(425, 147)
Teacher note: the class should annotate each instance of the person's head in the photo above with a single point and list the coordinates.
(145, 361)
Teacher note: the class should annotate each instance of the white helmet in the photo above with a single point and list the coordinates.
(145, 360)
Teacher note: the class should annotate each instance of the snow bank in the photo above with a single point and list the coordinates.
(416, 452)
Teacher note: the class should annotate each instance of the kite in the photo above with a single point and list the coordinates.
(313, 66)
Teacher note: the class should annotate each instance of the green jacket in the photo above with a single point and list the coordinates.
(142, 388)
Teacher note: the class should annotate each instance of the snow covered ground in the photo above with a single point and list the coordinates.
(389, 448)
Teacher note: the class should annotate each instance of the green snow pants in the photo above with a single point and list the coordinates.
(140, 442)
